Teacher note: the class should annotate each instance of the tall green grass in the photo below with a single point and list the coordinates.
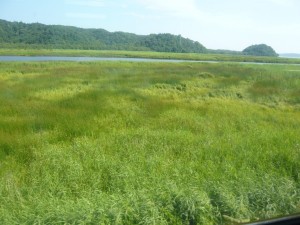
(148, 143)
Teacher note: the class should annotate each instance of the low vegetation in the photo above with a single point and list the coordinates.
(148, 143)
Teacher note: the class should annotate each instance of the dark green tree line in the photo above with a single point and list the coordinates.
(16, 34)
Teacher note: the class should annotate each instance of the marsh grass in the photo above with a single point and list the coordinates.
(148, 143)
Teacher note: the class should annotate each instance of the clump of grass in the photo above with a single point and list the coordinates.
(265, 88)
(205, 75)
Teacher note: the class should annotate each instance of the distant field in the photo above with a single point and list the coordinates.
(148, 143)
(156, 55)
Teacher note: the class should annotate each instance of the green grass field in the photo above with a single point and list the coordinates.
(148, 143)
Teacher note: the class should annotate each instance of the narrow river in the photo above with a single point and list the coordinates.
(90, 59)
(84, 59)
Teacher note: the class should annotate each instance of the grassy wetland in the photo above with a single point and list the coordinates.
(148, 143)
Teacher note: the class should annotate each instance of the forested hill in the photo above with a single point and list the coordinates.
(18, 34)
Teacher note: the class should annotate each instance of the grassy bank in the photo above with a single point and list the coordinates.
(141, 54)
(146, 143)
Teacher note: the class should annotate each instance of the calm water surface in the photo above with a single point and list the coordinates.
(81, 59)
(90, 59)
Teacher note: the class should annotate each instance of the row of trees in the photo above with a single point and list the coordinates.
(53, 36)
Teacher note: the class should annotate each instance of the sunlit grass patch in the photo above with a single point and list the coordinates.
(13, 79)
(65, 92)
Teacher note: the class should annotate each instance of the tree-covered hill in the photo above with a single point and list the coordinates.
(37, 35)
(260, 50)
(18, 34)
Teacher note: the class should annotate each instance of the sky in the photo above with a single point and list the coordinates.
(217, 24)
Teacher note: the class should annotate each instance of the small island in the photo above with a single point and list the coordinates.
(260, 50)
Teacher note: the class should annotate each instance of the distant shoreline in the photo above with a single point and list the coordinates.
(290, 55)
(147, 54)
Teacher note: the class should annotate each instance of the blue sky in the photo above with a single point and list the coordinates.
(217, 24)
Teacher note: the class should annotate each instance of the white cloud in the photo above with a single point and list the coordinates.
(183, 8)
(282, 2)
(86, 3)
(142, 16)
(85, 16)
(189, 11)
